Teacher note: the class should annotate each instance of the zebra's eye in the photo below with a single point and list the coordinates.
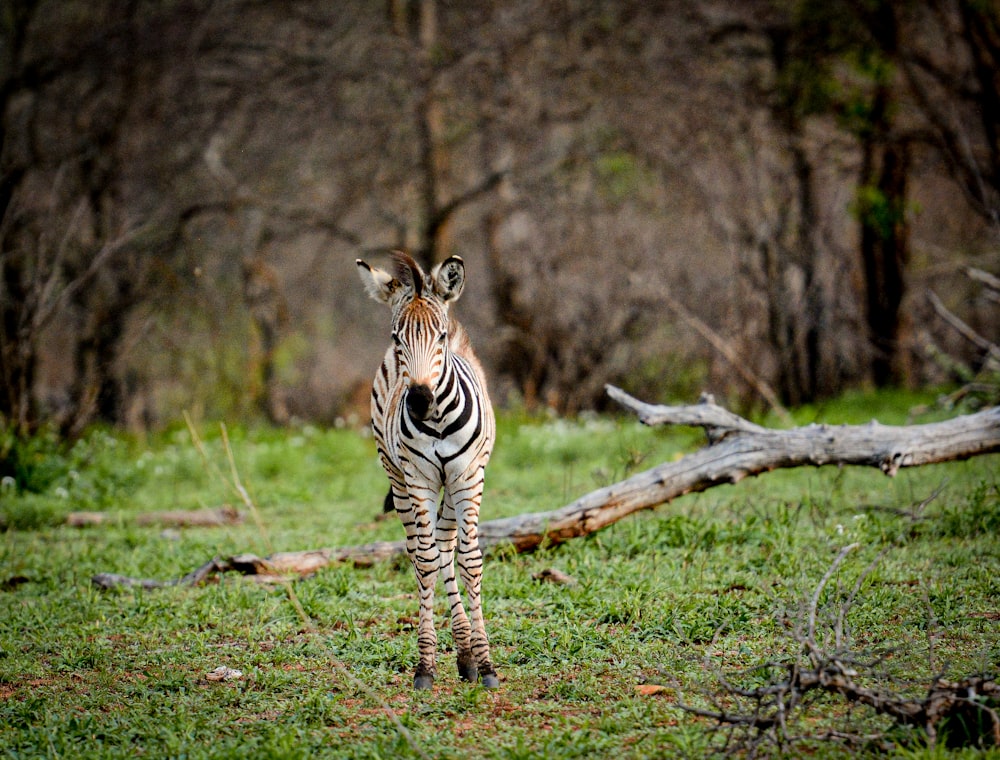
(443, 336)
(396, 339)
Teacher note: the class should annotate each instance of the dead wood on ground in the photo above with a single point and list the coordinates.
(175, 518)
(737, 448)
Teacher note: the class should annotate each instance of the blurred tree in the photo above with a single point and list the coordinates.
(766, 146)
(858, 46)
(269, 311)
(60, 232)
(898, 75)
(952, 70)
(416, 22)
(836, 61)
(595, 161)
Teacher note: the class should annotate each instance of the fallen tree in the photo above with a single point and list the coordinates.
(737, 448)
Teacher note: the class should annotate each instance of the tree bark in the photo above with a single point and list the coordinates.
(737, 449)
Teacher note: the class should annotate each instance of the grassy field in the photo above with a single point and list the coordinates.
(663, 605)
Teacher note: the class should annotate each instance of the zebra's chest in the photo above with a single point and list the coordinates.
(434, 446)
(458, 430)
(437, 439)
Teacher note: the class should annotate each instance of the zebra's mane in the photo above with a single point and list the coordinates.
(408, 272)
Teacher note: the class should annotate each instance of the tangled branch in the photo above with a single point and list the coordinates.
(964, 712)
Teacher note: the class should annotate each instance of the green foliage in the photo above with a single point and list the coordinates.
(712, 582)
(878, 211)
(620, 175)
(30, 464)
(52, 477)
(29, 512)
(979, 515)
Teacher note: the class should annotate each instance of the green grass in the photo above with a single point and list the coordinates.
(709, 584)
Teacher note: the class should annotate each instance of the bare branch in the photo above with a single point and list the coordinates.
(839, 638)
(990, 281)
(443, 214)
(737, 362)
(990, 348)
(46, 311)
(767, 713)
(822, 584)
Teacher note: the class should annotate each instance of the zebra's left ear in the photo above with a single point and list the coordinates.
(448, 278)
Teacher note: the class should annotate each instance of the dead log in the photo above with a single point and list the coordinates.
(737, 449)
(193, 518)
(279, 565)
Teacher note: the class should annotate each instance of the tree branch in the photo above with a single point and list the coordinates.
(730, 355)
(991, 349)
(443, 214)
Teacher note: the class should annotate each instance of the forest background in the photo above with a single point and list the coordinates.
(762, 199)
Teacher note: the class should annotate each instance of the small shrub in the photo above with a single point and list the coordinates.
(31, 464)
(89, 473)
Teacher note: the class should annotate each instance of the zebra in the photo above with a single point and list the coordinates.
(434, 429)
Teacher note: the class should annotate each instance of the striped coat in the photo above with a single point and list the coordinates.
(434, 427)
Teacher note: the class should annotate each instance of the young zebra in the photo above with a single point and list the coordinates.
(434, 427)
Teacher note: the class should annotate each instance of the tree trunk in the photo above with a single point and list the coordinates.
(884, 254)
(737, 449)
(790, 256)
(881, 206)
(264, 299)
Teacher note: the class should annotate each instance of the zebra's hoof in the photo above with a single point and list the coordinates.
(469, 675)
(423, 682)
(467, 669)
(490, 681)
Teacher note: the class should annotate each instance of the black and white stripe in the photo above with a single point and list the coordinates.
(434, 427)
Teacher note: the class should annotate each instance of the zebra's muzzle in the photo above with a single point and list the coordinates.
(418, 401)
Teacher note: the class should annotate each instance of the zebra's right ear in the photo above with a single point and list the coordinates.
(379, 284)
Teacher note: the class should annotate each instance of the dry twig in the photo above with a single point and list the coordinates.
(750, 719)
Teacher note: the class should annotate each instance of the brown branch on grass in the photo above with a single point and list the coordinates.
(173, 518)
(771, 710)
(737, 449)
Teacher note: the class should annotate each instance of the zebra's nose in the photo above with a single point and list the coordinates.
(418, 401)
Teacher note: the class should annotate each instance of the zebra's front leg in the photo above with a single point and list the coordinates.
(426, 562)
(418, 519)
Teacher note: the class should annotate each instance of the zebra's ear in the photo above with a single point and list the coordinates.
(448, 278)
(379, 284)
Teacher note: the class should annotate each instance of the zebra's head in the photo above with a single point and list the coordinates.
(420, 322)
